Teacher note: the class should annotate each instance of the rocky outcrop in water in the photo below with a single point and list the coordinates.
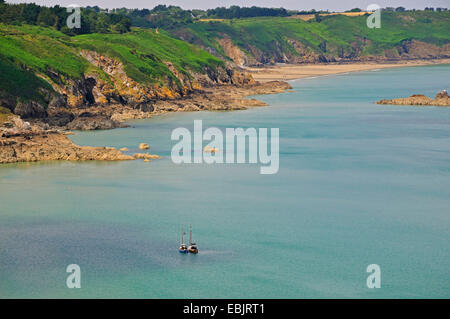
(145, 156)
(441, 99)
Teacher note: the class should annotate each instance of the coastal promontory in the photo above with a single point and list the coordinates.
(22, 142)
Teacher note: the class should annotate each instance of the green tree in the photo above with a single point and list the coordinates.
(122, 26)
(30, 13)
(102, 25)
(46, 17)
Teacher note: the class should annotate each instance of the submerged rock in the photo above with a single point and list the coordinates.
(145, 156)
(209, 149)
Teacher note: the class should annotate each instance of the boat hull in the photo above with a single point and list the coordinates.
(193, 251)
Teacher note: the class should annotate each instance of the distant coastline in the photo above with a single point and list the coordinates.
(286, 72)
(36, 141)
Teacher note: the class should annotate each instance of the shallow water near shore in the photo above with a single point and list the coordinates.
(358, 184)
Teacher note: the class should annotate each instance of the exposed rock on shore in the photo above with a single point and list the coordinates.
(41, 139)
(94, 123)
(219, 98)
(22, 142)
(441, 99)
(109, 116)
(30, 109)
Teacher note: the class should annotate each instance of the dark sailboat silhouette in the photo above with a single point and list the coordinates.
(192, 246)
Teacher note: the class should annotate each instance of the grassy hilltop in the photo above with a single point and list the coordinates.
(143, 52)
(31, 57)
(323, 38)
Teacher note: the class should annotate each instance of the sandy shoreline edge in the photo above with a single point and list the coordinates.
(287, 72)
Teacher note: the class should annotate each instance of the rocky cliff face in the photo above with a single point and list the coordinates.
(125, 90)
(413, 49)
(407, 50)
(64, 105)
(22, 141)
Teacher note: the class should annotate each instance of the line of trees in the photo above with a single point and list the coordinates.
(400, 9)
(169, 17)
(120, 20)
(245, 12)
(161, 16)
(92, 21)
(403, 9)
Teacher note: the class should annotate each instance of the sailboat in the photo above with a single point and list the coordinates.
(192, 246)
(183, 249)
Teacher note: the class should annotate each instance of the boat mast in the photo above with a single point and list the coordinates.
(182, 236)
(190, 235)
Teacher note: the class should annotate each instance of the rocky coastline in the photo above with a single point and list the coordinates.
(114, 115)
(30, 132)
(21, 141)
(42, 137)
(441, 99)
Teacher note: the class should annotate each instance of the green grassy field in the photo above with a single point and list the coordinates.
(271, 35)
(29, 50)
(143, 53)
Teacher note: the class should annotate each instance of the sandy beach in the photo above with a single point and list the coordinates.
(287, 72)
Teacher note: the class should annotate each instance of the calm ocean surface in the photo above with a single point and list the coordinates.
(358, 184)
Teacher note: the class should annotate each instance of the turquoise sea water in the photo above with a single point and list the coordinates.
(358, 184)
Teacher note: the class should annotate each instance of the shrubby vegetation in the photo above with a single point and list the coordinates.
(244, 12)
(97, 20)
(162, 16)
(92, 21)
(170, 17)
